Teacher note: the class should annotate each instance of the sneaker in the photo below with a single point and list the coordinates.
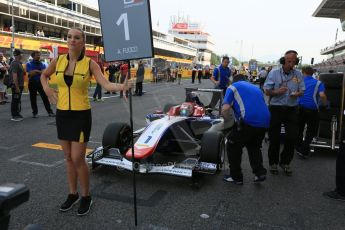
(100, 99)
(260, 178)
(107, 93)
(51, 114)
(228, 178)
(334, 195)
(72, 199)
(34, 116)
(17, 118)
(273, 169)
(286, 168)
(94, 99)
(84, 205)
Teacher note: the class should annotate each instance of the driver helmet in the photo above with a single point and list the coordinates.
(186, 109)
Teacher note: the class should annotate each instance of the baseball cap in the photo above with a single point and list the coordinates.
(17, 52)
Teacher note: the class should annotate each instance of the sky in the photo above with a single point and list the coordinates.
(265, 28)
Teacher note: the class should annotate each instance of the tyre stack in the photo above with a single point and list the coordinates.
(334, 85)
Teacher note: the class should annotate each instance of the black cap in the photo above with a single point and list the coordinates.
(17, 52)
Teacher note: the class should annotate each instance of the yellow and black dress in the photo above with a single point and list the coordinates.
(73, 115)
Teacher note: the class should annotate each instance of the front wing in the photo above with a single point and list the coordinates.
(182, 169)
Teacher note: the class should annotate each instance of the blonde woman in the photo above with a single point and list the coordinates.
(73, 115)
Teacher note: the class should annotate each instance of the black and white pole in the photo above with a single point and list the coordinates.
(134, 165)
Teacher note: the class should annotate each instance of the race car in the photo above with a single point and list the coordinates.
(182, 140)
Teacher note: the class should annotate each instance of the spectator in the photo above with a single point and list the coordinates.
(179, 74)
(97, 95)
(3, 71)
(16, 73)
(262, 77)
(194, 71)
(35, 68)
(140, 78)
(112, 70)
(199, 74)
(284, 86)
(123, 76)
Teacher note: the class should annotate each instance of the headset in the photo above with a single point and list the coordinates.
(282, 59)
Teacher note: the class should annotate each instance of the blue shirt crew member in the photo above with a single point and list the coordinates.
(253, 119)
(309, 111)
(284, 86)
(221, 80)
(34, 69)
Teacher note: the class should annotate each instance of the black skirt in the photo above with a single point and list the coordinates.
(73, 125)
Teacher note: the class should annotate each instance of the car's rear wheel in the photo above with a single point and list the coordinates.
(117, 135)
(213, 148)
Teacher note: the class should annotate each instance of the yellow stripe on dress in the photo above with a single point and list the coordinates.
(81, 137)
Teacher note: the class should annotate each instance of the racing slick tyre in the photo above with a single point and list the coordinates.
(117, 135)
(213, 148)
(167, 107)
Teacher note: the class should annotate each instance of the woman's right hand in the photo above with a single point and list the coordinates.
(52, 95)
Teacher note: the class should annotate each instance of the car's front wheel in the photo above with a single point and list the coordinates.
(213, 148)
(117, 135)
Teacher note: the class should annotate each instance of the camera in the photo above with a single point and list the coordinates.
(11, 196)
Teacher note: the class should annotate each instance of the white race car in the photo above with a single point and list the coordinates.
(181, 140)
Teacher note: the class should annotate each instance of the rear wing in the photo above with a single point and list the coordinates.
(215, 92)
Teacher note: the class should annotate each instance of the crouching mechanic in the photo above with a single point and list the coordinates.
(249, 129)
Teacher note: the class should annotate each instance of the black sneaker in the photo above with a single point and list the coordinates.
(260, 178)
(286, 168)
(72, 199)
(51, 114)
(84, 205)
(34, 115)
(228, 178)
(334, 195)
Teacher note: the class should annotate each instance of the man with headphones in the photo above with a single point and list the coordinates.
(283, 85)
(34, 69)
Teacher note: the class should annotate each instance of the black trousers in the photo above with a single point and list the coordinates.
(251, 138)
(289, 117)
(98, 92)
(111, 77)
(16, 101)
(262, 82)
(193, 77)
(340, 170)
(34, 87)
(199, 78)
(311, 119)
(139, 88)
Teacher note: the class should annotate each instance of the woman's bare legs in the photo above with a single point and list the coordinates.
(81, 168)
(72, 175)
